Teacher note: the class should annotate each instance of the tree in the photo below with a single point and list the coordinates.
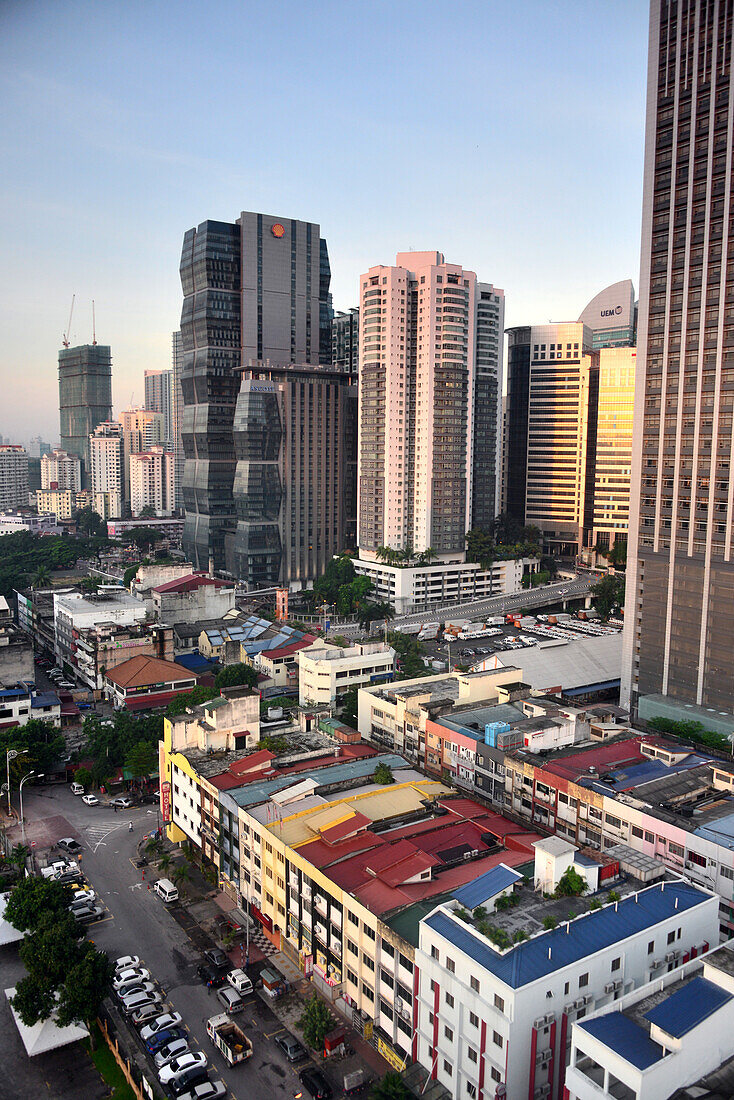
(35, 898)
(89, 584)
(164, 862)
(181, 702)
(349, 705)
(34, 999)
(235, 675)
(42, 577)
(90, 522)
(383, 774)
(84, 988)
(130, 574)
(43, 744)
(316, 1022)
(571, 884)
(141, 759)
(390, 1087)
(52, 949)
(148, 512)
(19, 856)
(145, 537)
(181, 875)
(83, 776)
(608, 595)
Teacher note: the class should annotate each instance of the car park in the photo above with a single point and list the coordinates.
(192, 1059)
(163, 1038)
(147, 1013)
(82, 904)
(126, 962)
(209, 975)
(170, 1051)
(131, 988)
(290, 1046)
(315, 1083)
(122, 803)
(68, 844)
(87, 916)
(90, 800)
(240, 981)
(230, 1000)
(207, 1090)
(159, 1024)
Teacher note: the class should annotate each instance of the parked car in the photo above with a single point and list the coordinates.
(132, 1005)
(170, 1051)
(315, 1083)
(158, 1024)
(292, 1049)
(82, 905)
(163, 1038)
(68, 844)
(147, 1013)
(122, 803)
(210, 976)
(134, 974)
(90, 800)
(133, 987)
(126, 962)
(217, 958)
(192, 1059)
(207, 1090)
(86, 916)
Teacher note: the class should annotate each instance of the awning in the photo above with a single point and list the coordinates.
(46, 1034)
(8, 933)
(606, 685)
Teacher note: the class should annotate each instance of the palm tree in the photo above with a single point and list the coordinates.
(153, 846)
(181, 875)
(165, 862)
(41, 577)
(19, 855)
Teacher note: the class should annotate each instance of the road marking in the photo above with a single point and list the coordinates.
(273, 1033)
(135, 886)
(101, 831)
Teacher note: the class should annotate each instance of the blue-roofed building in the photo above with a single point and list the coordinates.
(20, 702)
(661, 1039)
(505, 987)
(486, 889)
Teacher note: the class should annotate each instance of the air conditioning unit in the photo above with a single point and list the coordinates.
(399, 1003)
(618, 984)
(656, 964)
(588, 999)
(539, 1024)
(671, 956)
(405, 1013)
(550, 1017)
(610, 987)
(543, 1057)
(581, 1002)
(569, 1008)
(544, 1090)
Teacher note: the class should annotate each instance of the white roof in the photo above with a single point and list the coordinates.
(46, 1034)
(575, 665)
(8, 933)
(292, 794)
(554, 846)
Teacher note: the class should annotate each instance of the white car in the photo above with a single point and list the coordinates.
(135, 974)
(126, 962)
(209, 1090)
(160, 1023)
(131, 989)
(90, 800)
(170, 1051)
(192, 1059)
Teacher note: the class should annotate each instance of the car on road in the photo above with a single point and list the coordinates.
(315, 1083)
(292, 1049)
(134, 974)
(210, 976)
(163, 1038)
(170, 1051)
(126, 962)
(68, 844)
(87, 916)
(192, 1059)
(90, 800)
(207, 1090)
(65, 684)
(159, 1024)
(217, 958)
(122, 803)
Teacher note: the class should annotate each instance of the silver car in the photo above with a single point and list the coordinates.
(170, 1051)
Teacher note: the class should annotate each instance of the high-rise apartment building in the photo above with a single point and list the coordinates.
(159, 397)
(151, 481)
(487, 418)
(295, 482)
(345, 341)
(38, 448)
(141, 430)
(254, 290)
(13, 476)
(61, 470)
(680, 575)
(177, 408)
(416, 405)
(85, 396)
(107, 468)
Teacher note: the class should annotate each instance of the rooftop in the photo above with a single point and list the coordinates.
(142, 671)
(625, 1037)
(108, 597)
(193, 582)
(579, 663)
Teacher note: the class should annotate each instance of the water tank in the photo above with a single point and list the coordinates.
(274, 713)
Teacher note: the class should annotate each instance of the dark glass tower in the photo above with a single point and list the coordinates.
(85, 396)
(680, 575)
(255, 289)
(490, 320)
(516, 427)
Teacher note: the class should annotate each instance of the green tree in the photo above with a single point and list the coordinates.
(42, 577)
(181, 702)
(84, 988)
(130, 574)
(164, 862)
(235, 675)
(52, 949)
(83, 776)
(90, 522)
(315, 1022)
(383, 774)
(33, 899)
(349, 701)
(142, 759)
(608, 595)
(19, 856)
(42, 744)
(571, 884)
(181, 875)
(148, 512)
(145, 537)
(34, 999)
(390, 1087)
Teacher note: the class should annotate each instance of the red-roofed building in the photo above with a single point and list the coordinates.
(142, 683)
(279, 666)
(191, 599)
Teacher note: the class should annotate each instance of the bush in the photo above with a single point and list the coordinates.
(571, 884)
(316, 1022)
(549, 923)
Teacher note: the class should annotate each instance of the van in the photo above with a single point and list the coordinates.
(230, 1000)
(165, 889)
(77, 788)
(240, 982)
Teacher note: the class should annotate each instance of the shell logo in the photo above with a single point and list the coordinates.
(277, 230)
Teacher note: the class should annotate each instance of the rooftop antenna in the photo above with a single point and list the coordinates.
(94, 326)
(65, 339)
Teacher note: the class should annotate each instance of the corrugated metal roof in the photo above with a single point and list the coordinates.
(596, 930)
(688, 1007)
(625, 1038)
(486, 886)
(581, 663)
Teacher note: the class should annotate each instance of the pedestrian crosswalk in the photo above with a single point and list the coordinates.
(98, 832)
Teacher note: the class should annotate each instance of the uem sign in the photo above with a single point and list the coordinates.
(610, 312)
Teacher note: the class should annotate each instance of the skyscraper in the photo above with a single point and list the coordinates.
(177, 407)
(85, 396)
(254, 290)
(680, 575)
(345, 341)
(107, 469)
(151, 481)
(488, 405)
(612, 316)
(141, 429)
(159, 397)
(13, 476)
(61, 470)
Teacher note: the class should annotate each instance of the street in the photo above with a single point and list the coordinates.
(139, 924)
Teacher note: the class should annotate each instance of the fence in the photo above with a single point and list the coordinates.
(143, 1091)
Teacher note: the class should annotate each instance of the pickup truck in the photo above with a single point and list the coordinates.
(229, 1037)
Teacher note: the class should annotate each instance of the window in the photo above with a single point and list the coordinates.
(387, 978)
(675, 849)
(367, 990)
(368, 962)
(671, 937)
(449, 1000)
(387, 948)
(352, 947)
(450, 965)
(354, 919)
(651, 947)
(497, 1039)
(649, 837)
(472, 1054)
(616, 963)
(369, 932)
(566, 988)
(495, 1074)
(434, 986)
(637, 832)
(447, 1067)
(475, 984)
(434, 951)
(471, 1090)
(583, 980)
(694, 857)
(727, 872)
(352, 977)
(473, 1019)
(500, 1003)
(448, 1033)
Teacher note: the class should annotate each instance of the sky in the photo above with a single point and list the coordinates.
(507, 135)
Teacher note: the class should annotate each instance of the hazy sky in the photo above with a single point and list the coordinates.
(508, 135)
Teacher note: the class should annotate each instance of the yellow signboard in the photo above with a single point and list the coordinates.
(397, 1061)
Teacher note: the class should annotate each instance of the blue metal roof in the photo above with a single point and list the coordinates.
(721, 830)
(605, 685)
(486, 886)
(596, 930)
(625, 1037)
(15, 693)
(322, 776)
(45, 699)
(688, 1007)
(195, 662)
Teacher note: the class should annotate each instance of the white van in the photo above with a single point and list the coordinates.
(239, 981)
(77, 788)
(165, 889)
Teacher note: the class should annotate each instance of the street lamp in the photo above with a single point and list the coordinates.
(11, 755)
(20, 788)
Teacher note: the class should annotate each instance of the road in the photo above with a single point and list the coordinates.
(538, 597)
(139, 924)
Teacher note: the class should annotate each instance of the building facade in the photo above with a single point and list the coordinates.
(13, 476)
(159, 398)
(141, 430)
(345, 341)
(612, 467)
(612, 316)
(107, 466)
(85, 396)
(61, 470)
(326, 671)
(680, 577)
(487, 418)
(177, 407)
(253, 290)
(152, 481)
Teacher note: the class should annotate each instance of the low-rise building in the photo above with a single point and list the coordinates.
(101, 648)
(143, 683)
(501, 980)
(16, 649)
(19, 703)
(326, 671)
(10, 522)
(247, 636)
(192, 598)
(75, 612)
(169, 526)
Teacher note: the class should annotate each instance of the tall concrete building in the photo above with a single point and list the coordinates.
(680, 576)
(159, 397)
(177, 408)
(612, 316)
(295, 481)
(345, 341)
(151, 481)
(254, 290)
(85, 396)
(141, 430)
(612, 467)
(61, 470)
(13, 476)
(487, 418)
(107, 469)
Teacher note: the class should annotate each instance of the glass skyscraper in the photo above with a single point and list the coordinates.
(85, 396)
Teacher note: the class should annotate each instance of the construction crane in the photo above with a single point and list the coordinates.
(67, 334)
(94, 326)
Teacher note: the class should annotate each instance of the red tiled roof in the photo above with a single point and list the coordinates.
(601, 759)
(256, 761)
(153, 699)
(191, 583)
(355, 823)
(142, 671)
(225, 781)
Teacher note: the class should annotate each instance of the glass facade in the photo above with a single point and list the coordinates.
(85, 396)
(487, 406)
